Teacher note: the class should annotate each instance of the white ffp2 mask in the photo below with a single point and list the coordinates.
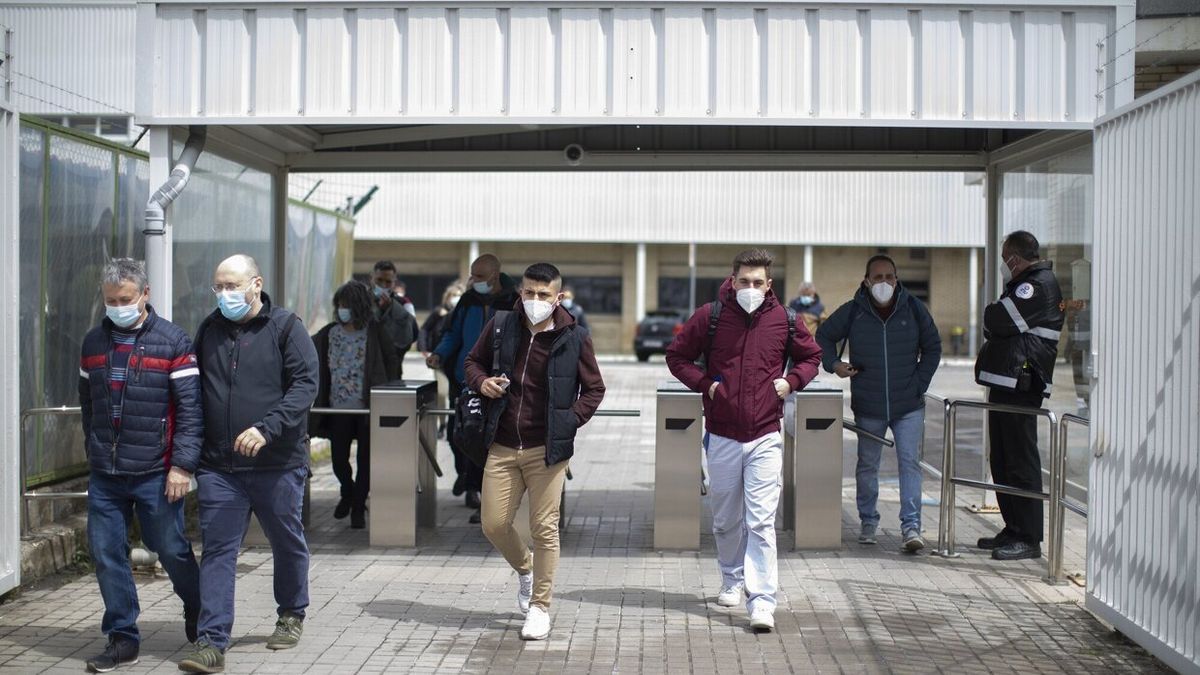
(750, 299)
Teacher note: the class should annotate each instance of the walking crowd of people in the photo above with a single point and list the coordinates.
(228, 411)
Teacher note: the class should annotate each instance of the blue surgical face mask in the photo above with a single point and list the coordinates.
(482, 287)
(343, 315)
(124, 316)
(379, 291)
(806, 299)
(233, 304)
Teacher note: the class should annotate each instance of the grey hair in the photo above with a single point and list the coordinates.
(120, 270)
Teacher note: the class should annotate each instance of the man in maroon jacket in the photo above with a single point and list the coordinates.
(544, 385)
(744, 381)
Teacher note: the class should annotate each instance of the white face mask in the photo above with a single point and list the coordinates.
(482, 287)
(538, 311)
(1005, 272)
(750, 299)
(882, 292)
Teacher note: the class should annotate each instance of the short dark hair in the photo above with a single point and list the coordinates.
(1023, 245)
(385, 266)
(876, 258)
(753, 257)
(543, 272)
(354, 296)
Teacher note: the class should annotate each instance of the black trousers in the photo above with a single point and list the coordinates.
(1015, 461)
(342, 430)
(470, 473)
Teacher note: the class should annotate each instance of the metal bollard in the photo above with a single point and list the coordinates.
(816, 478)
(679, 428)
(403, 490)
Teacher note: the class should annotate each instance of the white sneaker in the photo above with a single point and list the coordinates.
(762, 620)
(524, 591)
(537, 624)
(731, 596)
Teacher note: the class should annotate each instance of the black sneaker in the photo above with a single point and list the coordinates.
(472, 499)
(358, 519)
(342, 509)
(119, 652)
(288, 630)
(1017, 550)
(204, 659)
(191, 617)
(990, 543)
(475, 518)
(460, 486)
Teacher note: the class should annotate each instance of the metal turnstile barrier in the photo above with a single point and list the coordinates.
(813, 482)
(679, 429)
(403, 464)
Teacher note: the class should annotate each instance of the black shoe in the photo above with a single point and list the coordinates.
(1017, 550)
(119, 652)
(342, 509)
(358, 519)
(460, 486)
(990, 543)
(475, 518)
(190, 618)
(472, 499)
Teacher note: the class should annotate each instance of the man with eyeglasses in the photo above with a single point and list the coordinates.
(543, 384)
(258, 371)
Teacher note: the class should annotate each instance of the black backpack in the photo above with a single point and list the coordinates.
(714, 315)
(471, 409)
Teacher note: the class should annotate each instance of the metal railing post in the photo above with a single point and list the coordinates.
(946, 512)
(1054, 537)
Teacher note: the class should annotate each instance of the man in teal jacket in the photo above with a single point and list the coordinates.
(894, 351)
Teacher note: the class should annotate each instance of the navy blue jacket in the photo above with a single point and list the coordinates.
(465, 325)
(255, 376)
(161, 418)
(898, 357)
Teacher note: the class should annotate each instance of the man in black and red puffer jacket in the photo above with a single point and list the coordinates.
(139, 390)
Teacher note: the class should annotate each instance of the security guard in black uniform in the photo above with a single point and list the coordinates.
(1016, 363)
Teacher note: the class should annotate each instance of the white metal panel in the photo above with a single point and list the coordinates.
(429, 62)
(278, 86)
(481, 61)
(377, 61)
(531, 59)
(228, 62)
(737, 62)
(635, 72)
(776, 207)
(1144, 513)
(10, 446)
(789, 62)
(685, 69)
(941, 64)
(836, 62)
(99, 77)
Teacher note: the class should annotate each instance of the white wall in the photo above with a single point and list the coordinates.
(10, 447)
(1143, 548)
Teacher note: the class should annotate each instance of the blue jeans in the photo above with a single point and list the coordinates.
(226, 501)
(746, 479)
(907, 432)
(112, 501)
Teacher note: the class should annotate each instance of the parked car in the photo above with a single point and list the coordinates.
(656, 331)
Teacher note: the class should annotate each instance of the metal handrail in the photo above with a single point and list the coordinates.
(26, 495)
(929, 468)
(950, 480)
(1058, 494)
(854, 428)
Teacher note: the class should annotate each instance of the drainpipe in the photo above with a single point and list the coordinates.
(158, 246)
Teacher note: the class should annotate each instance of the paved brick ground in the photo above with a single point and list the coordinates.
(448, 605)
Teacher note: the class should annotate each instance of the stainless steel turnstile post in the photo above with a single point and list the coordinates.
(677, 474)
(815, 493)
(403, 484)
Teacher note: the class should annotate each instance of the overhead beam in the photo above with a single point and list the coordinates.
(429, 132)
(550, 160)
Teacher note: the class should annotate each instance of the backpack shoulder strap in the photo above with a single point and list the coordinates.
(499, 319)
(854, 310)
(714, 317)
(791, 336)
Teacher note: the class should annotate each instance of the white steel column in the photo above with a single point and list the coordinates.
(473, 252)
(10, 446)
(160, 258)
(808, 263)
(973, 303)
(640, 288)
(279, 228)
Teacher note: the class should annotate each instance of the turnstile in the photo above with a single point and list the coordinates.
(679, 427)
(403, 484)
(813, 482)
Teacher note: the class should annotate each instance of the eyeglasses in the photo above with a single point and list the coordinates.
(218, 289)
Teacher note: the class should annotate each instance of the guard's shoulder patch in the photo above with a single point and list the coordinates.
(1024, 291)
